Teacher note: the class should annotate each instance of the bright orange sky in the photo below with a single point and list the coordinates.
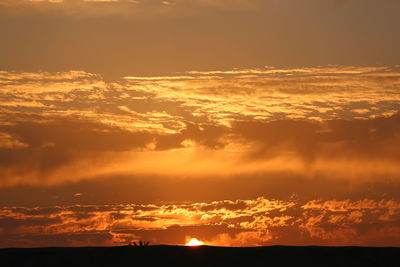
(169, 120)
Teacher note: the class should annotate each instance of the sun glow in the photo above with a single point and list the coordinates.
(194, 242)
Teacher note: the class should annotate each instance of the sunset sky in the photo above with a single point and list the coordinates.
(236, 122)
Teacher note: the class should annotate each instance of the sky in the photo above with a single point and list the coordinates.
(239, 123)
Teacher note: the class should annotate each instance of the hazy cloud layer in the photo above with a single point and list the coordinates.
(152, 37)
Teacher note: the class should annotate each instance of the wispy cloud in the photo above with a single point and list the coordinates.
(199, 124)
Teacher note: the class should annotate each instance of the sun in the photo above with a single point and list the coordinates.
(194, 242)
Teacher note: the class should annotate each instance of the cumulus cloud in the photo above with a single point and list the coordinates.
(225, 223)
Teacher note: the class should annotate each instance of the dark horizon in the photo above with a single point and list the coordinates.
(201, 256)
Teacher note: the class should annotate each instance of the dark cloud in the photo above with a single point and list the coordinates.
(203, 134)
(356, 138)
(58, 240)
(55, 143)
(13, 225)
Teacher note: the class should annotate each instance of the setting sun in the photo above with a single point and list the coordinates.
(194, 242)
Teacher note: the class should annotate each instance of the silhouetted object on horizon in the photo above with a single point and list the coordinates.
(140, 244)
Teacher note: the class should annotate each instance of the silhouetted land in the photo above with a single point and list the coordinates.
(200, 256)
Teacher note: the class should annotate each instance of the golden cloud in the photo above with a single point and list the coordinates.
(240, 223)
(68, 126)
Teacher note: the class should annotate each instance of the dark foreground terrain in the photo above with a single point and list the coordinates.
(200, 256)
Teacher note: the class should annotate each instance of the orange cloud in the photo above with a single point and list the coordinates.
(240, 223)
(337, 149)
